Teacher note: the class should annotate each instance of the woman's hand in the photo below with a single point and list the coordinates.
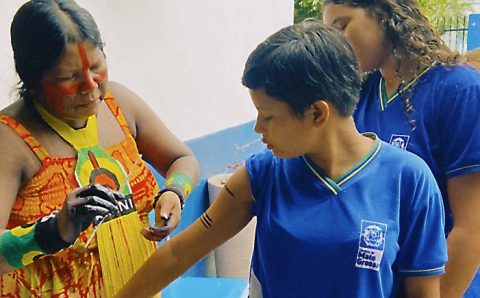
(167, 216)
(80, 208)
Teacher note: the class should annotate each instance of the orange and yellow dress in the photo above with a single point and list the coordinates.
(75, 271)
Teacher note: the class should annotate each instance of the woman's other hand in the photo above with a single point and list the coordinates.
(167, 216)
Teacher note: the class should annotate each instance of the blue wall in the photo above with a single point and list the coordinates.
(217, 153)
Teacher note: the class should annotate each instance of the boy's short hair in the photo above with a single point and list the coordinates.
(303, 63)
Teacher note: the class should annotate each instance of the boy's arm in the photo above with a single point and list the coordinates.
(226, 217)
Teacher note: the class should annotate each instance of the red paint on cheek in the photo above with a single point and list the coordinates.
(55, 94)
(100, 77)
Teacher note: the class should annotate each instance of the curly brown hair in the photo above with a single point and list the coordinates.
(411, 35)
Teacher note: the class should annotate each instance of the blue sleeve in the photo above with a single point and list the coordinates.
(259, 167)
(423, 247)
(459, 122)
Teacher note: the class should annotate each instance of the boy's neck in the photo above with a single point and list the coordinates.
(341, 149)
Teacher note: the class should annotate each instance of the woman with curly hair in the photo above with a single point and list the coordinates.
(418, 97)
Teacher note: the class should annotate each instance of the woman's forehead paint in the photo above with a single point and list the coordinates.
(55, 94)
(83, 56)
(90, 79)
(88, 83)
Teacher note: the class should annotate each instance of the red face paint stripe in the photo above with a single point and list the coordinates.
(89, 83)
(54, 95)
(83, 56)
(59, 89)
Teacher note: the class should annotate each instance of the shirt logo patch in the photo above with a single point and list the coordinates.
(371, 246)
(399, 141)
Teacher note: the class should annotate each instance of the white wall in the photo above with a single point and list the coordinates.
(184, 57)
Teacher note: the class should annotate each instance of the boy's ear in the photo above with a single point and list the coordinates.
(320, 112)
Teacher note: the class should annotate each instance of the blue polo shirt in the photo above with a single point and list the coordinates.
(352, 237)
(446, 111)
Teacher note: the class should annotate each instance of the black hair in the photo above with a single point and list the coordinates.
(303, 63)
(40, 31)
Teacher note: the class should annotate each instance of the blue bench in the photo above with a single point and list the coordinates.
(206, 287)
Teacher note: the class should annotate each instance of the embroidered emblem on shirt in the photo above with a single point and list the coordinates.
(399, 141)
(371, 245)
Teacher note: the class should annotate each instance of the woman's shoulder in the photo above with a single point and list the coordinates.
(125, 99)
(16, 121)
(456, 74)
(447, 83)
(15, 110)
(120, 93)
(18, 115)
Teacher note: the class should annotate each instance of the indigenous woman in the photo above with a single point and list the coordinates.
(72, 152)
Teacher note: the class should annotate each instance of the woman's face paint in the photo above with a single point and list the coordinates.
(74, 83)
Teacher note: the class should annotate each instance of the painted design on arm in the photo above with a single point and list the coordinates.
(206, 220)
(229, 191)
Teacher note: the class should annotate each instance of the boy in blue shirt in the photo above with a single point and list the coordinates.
(339, 214)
